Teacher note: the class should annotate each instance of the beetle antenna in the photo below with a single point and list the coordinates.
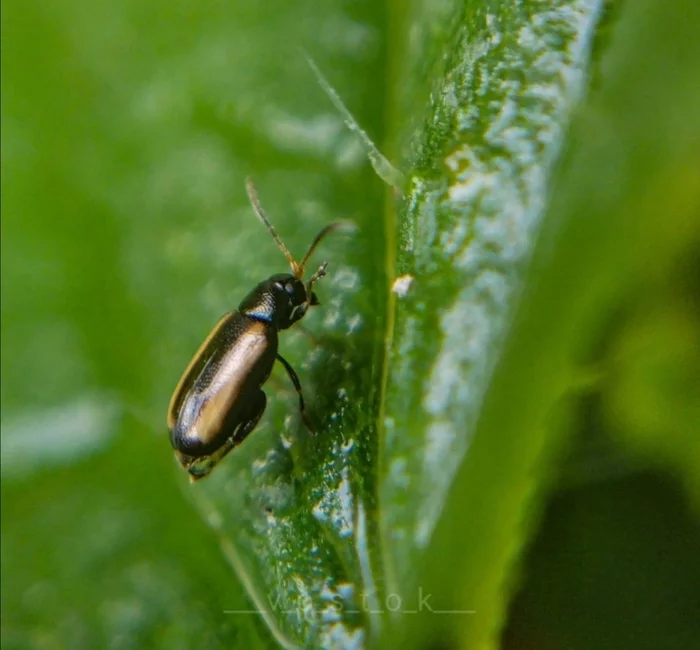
(314, 243)
(297, 269)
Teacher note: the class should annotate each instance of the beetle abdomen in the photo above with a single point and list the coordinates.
(234, 361)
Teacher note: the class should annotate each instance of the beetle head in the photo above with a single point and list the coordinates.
(291, 299)
(281, 300)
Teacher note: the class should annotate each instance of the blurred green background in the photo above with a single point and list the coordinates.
(518, 435)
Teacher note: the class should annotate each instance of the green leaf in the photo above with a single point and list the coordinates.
(480, 181)
(631, 156)
(540, 141)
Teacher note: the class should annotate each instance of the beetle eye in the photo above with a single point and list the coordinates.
(289, 288)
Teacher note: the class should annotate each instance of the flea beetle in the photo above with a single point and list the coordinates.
(219, 399)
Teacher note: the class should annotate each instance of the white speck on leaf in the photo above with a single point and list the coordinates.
(402, 285)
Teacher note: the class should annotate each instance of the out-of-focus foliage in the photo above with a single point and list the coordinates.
(545, 340)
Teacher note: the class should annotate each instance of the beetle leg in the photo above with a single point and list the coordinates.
(254, 414)
(297, 385)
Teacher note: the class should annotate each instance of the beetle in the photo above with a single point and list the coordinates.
(219, 399)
